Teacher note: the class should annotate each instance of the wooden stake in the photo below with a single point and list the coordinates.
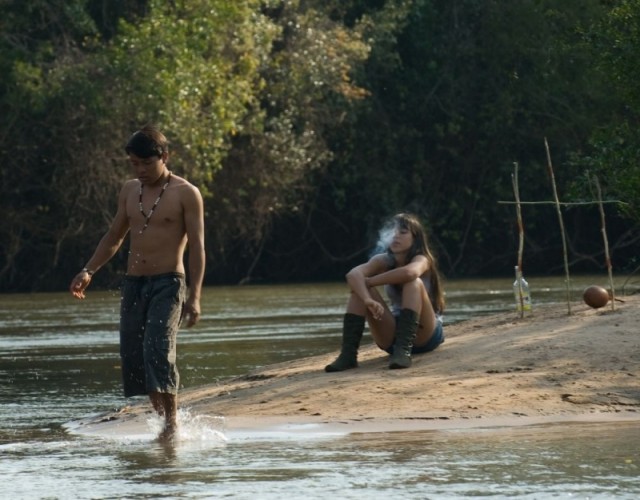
(516, 194)
(562, 232)
(606, 244)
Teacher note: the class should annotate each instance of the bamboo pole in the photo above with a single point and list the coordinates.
(516, 194)
(562, 232)
(606, 244)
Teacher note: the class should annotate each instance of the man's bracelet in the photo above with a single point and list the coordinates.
(88, 271)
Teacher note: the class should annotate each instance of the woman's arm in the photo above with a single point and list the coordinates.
(400, 275)
(357, 281)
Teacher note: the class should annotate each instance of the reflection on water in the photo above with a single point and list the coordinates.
(59, 362)
(596, 461)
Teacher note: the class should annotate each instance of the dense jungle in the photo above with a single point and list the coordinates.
(307, 123)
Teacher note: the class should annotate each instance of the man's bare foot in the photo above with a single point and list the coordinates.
(168, 434)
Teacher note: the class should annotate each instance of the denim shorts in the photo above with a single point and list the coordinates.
(150, 313)
(436, 339)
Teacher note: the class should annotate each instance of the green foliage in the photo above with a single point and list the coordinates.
(459, 92)
(269, 171)
(614, 155)
(193, 69)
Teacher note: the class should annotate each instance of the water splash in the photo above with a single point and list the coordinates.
(194, 429)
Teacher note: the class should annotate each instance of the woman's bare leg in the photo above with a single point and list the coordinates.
(382, 330)
(416, 298)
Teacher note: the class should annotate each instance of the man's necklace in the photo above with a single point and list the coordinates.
(147, 217)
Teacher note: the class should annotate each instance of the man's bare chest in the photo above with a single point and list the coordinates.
(153, 207)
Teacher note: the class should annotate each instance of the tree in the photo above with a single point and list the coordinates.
(615, 152)
(459, 91)
(308, 122)
(269, 172)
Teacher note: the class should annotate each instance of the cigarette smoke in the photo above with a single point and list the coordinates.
(385, 235)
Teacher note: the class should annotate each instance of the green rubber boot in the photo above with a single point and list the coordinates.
(352, 330)
(405, 335)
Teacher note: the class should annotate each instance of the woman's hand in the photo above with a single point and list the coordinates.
(375, 308)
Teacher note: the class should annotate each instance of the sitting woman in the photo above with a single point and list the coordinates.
(409, 274)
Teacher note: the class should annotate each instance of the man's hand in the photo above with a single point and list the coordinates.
(191, 313)
(79, 284)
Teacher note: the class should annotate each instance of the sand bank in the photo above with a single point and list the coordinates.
(491, 371)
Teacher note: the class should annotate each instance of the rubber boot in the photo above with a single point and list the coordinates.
(352, 330)
(405, 335)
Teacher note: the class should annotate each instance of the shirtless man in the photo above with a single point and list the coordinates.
(162, 213)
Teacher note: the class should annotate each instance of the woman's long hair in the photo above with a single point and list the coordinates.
(421, 247)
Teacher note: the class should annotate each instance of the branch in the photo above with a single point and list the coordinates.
(566, 203)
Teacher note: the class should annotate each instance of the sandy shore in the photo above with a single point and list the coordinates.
(491, 371)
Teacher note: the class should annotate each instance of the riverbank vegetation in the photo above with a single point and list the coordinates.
(307, 122)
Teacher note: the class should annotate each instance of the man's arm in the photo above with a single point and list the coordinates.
(194, 223)
(107, 248)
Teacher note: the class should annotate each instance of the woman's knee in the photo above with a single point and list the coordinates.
(414, 288)
(413, 293)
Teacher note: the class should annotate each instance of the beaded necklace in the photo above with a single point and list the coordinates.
(147, 217)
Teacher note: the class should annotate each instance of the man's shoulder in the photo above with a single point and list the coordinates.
(184, 193)
(131, 184)
(186, 188)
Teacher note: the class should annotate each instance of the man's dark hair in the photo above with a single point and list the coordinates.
(147, 142)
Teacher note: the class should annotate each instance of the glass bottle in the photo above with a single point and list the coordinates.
(521, 293)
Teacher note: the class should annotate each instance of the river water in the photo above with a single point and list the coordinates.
(59, 363)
